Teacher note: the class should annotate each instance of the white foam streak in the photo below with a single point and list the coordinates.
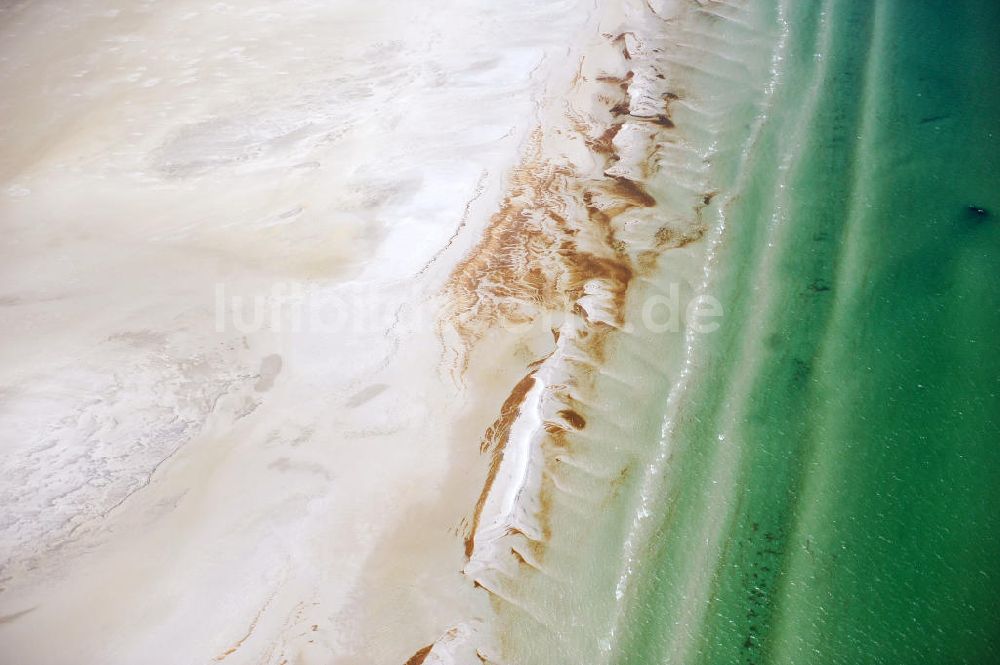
(652, 483)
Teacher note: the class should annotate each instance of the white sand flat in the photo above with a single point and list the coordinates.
(182, 482)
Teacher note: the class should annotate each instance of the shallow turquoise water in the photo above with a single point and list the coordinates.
(833, 497)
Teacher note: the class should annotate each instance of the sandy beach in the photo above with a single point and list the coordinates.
(306, 311)
(329, 334)
(232, 432)
(456, 333)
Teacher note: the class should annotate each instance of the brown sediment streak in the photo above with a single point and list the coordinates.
(522, 560)
(621, 108)
(631, 192)
(514, 531)
(509, 269)
(498, 433)
(604, 144)
(663, 120)
(494, 441)
(14, 616)
(619, 481)
(531, 258)
(480, 187)
(667, 237)
(537, 547)
(575, 420)
(570, 238)
(253, 625)
(420, 656)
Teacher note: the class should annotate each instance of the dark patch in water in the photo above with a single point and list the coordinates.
(819, 285)
(801, 370)
(775, 340)
(975, 212)
(761, 554)
(974, 217)
(934, 118)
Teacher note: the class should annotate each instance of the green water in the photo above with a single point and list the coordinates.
(835, 489)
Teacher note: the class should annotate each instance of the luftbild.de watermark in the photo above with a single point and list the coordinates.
(292, 307)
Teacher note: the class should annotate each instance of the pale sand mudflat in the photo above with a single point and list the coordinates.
(176, 491)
